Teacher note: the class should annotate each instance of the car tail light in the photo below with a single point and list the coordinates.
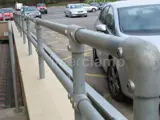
(11, 15)
(1, 17)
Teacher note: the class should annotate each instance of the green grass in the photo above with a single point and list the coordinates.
(62, 3)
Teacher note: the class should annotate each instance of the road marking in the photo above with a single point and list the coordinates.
(95, 75)
(85, 54)
(107, 95)
(61, 49)
(52, 42)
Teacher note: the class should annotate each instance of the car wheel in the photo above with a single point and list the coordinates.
(85, 15)
(95, 57)
(93, 10)
(114, 83)
(70, 15)
(46, 12)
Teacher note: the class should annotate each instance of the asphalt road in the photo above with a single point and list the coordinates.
(95, 75)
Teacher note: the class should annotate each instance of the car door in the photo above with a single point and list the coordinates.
(101, 20)
(67, 10)
(87, 7)
(109, 21)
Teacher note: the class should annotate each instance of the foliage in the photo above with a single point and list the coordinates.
(89, 1)
(62, 3)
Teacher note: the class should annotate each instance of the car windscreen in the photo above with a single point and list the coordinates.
(96, 4)
(75, 6)
(41, 5)
(139, 19)
(30, 9)
(7, 10)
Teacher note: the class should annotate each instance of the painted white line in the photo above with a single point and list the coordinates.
(95, 75)
(52, 42)
(61, 49)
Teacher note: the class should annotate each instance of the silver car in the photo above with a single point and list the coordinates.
(73, 10)
(31, 11)
(125, 19)
(89, 8)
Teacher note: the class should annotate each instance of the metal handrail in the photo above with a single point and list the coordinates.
(95, 97)
(13, 68)
(146, 100)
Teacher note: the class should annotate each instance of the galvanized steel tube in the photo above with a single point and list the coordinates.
(89, 111)
(66, 82)
(20, 24)
(29, 35)
(33, 41)
(78, 78)
(60, 28)
(99, 40)
(23, 30)
(13, 67)
(68, 85)
(143, 60)
(40, 48)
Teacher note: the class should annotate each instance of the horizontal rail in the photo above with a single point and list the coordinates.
(66, 82)
(60, 28)
(13, 67)
(99, 40)
(94, 39)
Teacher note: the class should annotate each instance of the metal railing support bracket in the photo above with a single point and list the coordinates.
(77, 99)
(74, 45)
(143, 61)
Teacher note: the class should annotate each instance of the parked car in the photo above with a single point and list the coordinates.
(89, 8)
(1, 15)
(31, 11)
(22, 9)
(8, 13)
(42, 8)
(75, 10)
(102, 4)
(126, 19)
(18, 6)
(95, 4)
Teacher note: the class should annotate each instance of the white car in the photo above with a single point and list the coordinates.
(18, 6)
(89, 8)
(132, 18)
(73, 10)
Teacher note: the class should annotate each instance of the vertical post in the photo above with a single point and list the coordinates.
(20, 24)
(78, 67)
(13, 67)
(3, 16)
(78, 77)
(23, 29)
(17, 19)
(28, 36)
(39, 49)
